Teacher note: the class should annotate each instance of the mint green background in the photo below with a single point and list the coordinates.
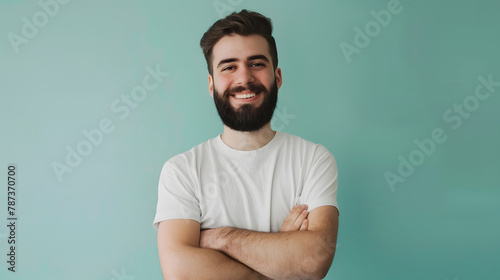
(441, 223)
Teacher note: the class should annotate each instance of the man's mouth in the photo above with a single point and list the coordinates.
(245, 95)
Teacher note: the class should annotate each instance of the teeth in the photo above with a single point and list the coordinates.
(242, 96)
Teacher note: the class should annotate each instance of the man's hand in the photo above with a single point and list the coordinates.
(296, 219)
(302, 250)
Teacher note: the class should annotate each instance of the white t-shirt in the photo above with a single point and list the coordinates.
(222, 187)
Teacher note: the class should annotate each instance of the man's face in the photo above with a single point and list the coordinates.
(244, 85)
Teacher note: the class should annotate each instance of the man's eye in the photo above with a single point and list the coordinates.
(257, 64)
(227, 68)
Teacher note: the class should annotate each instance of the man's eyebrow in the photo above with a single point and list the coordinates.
(227, 60)
(253, 57)
(258, 56)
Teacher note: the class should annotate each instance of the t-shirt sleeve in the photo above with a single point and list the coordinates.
(176, 196)
(320, 187)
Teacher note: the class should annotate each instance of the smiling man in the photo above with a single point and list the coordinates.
(251, 203)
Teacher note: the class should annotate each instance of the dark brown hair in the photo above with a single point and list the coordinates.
(243, 23)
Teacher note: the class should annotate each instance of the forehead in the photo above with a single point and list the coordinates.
(241, 47)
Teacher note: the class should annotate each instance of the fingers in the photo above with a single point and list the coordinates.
(302, 216)
(305, 224)
(295, 219)
(296, 213)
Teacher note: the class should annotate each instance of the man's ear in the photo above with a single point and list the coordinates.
(211, 85)
(278, 77)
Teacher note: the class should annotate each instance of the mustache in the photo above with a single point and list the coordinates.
(251, 87)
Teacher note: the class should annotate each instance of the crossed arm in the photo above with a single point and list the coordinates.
(303, 249)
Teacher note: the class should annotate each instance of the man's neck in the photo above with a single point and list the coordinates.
(248, 141)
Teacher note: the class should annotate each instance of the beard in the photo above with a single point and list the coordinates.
(247, 117)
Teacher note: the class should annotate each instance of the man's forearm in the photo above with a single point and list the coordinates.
(284, 255)
(199, 263)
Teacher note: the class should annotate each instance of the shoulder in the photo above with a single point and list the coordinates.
(191, 157)
(306, 146)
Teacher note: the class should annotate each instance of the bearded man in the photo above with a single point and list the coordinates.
(251, 203)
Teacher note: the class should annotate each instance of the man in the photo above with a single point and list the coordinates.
(251, 203)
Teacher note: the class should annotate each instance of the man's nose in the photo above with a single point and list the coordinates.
(244, 76)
